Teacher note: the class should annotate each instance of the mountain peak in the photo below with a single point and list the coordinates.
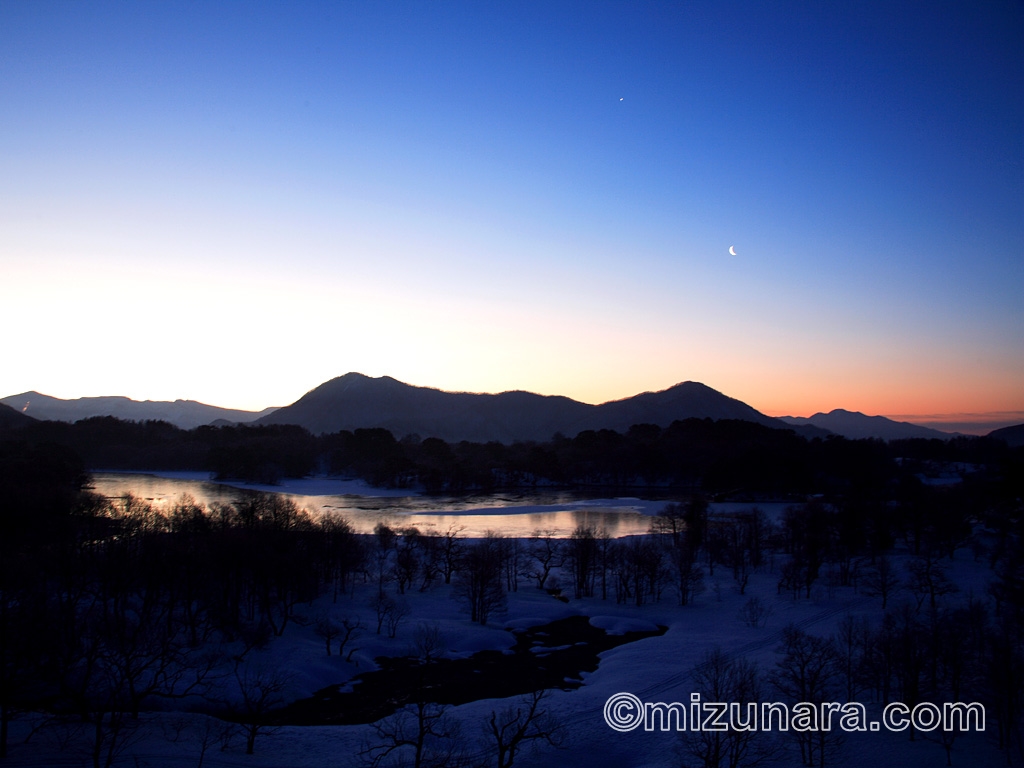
(355, 401)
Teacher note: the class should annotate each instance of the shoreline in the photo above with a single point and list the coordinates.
(320, 485)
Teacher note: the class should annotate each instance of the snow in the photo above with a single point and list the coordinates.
(654, 669)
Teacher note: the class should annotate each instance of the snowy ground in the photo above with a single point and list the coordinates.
(654, 669)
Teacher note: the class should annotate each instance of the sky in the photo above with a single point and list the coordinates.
(233, 202)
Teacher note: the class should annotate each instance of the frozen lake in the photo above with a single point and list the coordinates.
(512, 514)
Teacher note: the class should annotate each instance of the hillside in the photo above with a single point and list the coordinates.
(356, 401)
(1012, 436)
(12, 419)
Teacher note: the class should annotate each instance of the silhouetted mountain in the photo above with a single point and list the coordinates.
(12, 419)
(355, 401)
(1012, 436)
(856, 426)
(690, 399)
(181, 413)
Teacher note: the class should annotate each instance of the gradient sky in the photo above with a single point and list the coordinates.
(234, 202)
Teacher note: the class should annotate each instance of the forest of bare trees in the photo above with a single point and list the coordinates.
(110, 607)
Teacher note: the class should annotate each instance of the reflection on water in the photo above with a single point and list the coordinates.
(511, 514)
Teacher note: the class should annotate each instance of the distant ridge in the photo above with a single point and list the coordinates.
(1012, 436)
(12, 419)
(857, 426)
(186, 414)
(355, 401)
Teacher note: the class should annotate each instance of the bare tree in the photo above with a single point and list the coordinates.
(261, 690)
(479, 583)
(390, 612)
(428, 642)
(689, 576)
(201, 730)
(720, 678)
(740, 553)
(430, 560)
(420, 735)
(383, 549)
(671, 521)
(808, 533)
(881, 579)
(351, 629)
(512, 556)
(755, 612)
(343, 553)
(605, 558)
(524, 723)
(581, 557)
(396, 614)
(641, 570)
(852, 645)
(407, 558)
(326, 626)
(809, 673)
(451, 552)
(929, 580)
(547, 555)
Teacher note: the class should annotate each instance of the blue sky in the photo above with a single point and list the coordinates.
(233, 202)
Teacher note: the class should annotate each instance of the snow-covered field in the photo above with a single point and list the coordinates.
(654, 669)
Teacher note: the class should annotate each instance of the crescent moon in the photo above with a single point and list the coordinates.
(732, 250)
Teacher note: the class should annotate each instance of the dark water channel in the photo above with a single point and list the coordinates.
(551, 655)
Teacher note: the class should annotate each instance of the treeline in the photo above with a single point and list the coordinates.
(937, 641)
(717, 456)
(110, 608)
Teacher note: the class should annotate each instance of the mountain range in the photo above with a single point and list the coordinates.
(186, 414)
(356, 401)
(856, 426)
